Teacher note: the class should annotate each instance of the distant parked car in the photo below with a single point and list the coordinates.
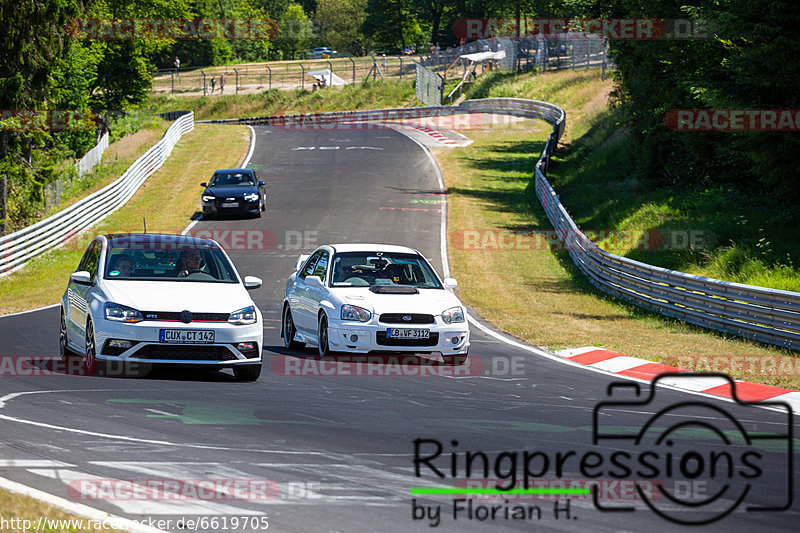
(234, 191)
(321, 52)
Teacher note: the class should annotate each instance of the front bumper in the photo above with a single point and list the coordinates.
(365, 337)
(242, 207)
(226, 350)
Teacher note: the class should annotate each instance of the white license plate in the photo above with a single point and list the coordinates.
(230, 204)
(187, 336)
(403, 333)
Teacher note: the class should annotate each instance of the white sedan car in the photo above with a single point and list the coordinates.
(373, 298)
(161, 299)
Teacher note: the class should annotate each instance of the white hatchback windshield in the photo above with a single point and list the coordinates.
(158, 262)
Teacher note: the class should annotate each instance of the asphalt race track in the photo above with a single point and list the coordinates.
(336, 452)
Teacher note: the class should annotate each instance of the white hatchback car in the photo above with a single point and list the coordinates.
(373, 298)
(161, 299)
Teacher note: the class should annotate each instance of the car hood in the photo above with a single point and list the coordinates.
(179, 295)
(429, 301)
(232, 191)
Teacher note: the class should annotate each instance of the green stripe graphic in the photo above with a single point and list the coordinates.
(426, 490)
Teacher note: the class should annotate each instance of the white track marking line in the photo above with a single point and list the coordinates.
(31, 310)
(32, 463)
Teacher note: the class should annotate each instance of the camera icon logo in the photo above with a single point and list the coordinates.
(740, 455)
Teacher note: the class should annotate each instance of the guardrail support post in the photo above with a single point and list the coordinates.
(269, 70)
(172, 80)
(3, 205)
(237, 80)
(354, 69)
(330, 68)
(205, 86)
(302, 77)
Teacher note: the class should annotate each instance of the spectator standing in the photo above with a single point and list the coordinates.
(177, 64)
(213, 84)
(221, 83)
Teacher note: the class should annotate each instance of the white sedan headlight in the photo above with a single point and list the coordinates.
(250, 197)
(453, 315)
(121, 313)
(353, 312)
(243, 317)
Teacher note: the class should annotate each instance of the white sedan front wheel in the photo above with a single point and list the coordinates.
(322, 336)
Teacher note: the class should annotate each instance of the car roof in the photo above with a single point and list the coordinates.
(168, 241)
(367, 247)
(234, 170)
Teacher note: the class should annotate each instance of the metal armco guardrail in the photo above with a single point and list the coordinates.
(19, 247)
(93, 156)
(766, 315)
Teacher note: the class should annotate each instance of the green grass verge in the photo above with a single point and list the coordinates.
(490, 192)
(17, 509)
(168, 199)
(132, 137)
(370, 95)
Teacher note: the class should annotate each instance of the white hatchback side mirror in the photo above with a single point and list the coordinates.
(450, 283)
(81, 277)
(252, 282)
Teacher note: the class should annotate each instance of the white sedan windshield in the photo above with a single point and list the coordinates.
(364, 269)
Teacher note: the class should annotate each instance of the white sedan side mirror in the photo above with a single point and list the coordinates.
(450, 283)
(313, 281)
(252, 282)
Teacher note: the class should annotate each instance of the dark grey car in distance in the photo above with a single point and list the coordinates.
(235, 191)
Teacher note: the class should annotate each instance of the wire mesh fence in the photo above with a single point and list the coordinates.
(429, 86)
(509, 54)
(258, 77)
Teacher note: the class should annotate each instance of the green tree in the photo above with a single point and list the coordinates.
(392, 24)
(295, 32)
(340, 22)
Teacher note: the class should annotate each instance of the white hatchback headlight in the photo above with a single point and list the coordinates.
(121, 313)
(243, 317)
(251, 197)
(453, 315)
(353, 312)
